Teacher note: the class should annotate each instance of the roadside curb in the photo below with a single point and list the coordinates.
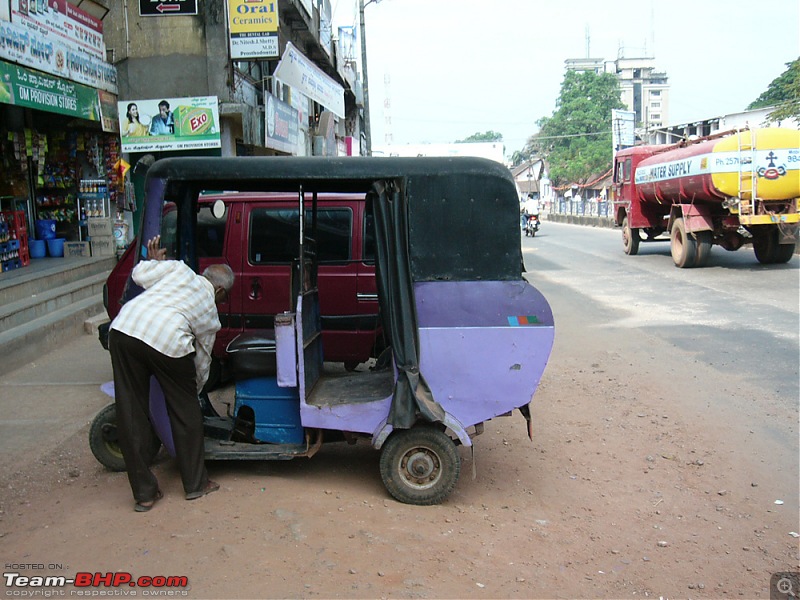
(583, 220)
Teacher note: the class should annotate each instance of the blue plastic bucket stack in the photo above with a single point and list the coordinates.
(46, 229)
(55, 247)
(37, 248)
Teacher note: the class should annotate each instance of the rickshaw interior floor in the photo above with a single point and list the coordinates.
(337, 386)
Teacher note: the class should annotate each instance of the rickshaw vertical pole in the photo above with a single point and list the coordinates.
(302, 229)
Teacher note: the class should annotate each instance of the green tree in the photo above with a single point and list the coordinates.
(576, 140)
(783, 93)
(489, 136)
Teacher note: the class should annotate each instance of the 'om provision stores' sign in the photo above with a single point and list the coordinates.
(33, 89)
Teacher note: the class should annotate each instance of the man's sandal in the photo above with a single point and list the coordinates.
(211, 486)
(148, 504)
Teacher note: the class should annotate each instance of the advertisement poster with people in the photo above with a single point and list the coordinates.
(169, 124)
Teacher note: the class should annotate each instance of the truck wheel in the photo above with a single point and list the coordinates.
(419, 466)
(682, 246)
(784, 253)
(630, 238)
(704, 241)
(103, 440)
(768, 251)
(764, 247)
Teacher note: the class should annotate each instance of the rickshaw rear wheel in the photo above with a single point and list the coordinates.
(420, 466)
(103, 441)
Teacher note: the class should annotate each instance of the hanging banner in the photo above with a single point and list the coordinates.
(282, 126)
(253, 29)
(39, 51)
(297, 71)
(169, 124)
(31, 89)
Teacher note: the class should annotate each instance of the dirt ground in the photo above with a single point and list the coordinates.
(636, 484)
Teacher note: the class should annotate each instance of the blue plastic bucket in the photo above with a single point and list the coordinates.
(37, 248)
(46, 229)
(55, 247)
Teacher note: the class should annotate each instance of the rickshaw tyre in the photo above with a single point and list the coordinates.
(437, 465)
(107, 451)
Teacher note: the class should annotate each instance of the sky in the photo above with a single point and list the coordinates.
(442, 70)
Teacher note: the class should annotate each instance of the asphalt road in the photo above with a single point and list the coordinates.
(735, 314)
(665, 433)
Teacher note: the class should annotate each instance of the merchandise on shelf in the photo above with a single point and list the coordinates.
(13, 241)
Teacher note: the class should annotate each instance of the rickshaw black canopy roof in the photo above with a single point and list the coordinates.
(463, 213)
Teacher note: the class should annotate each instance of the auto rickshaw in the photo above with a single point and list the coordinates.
(469, 337)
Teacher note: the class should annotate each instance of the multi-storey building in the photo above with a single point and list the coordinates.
(644, 90)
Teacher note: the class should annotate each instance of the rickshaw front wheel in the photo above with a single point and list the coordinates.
(420, 466)
(103, 440)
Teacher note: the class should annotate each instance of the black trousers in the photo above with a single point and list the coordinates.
(133, 363)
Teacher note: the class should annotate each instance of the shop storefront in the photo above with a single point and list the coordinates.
(59, 137)
(58, 163)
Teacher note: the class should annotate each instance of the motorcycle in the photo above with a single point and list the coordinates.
(532, 225)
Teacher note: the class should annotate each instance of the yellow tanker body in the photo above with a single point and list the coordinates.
(775, 158)
(730, 189)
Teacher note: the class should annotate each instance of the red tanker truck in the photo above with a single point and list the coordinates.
(730, 189)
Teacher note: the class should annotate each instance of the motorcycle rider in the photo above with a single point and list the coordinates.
(531, 208)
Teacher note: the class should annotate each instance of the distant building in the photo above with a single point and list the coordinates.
(749, 118)
(644, 90)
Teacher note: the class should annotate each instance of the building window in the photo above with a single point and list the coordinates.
(655, 92)
(656, 117)
(655, 105)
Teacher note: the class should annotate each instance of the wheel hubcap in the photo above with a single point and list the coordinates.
(420, 467)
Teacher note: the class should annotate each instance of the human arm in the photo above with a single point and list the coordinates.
(154, 252)
(203, 346)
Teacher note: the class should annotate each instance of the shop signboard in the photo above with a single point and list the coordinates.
(622, 129)
(253, 29)
(62, 21)
(108, 111)
(297, 71)
(169, 124)
(166, 8)
(31, 89)
(282, 126)
(51, 55)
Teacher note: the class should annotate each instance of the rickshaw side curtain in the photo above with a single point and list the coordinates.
(412, 398)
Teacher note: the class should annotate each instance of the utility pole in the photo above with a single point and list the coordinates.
(364, 77)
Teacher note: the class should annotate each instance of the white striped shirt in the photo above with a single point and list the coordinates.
(176, 314)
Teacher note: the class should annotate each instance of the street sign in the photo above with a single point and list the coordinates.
(165, 8)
